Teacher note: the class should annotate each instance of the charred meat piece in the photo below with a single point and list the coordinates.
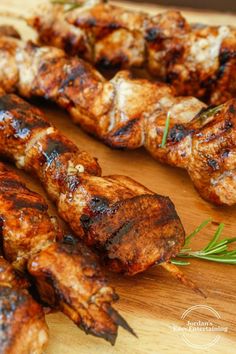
(123, 112)
(97, 26)
(79, 288)
(205, 146)
(10, 31)
(23, 329)
(198, 60)
(26, 227)
(32, 125)
(67, 277)
(9, 277)
(135, 227)
(212, 163)
(114, 213)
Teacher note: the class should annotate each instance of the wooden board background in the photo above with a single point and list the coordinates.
(152, 301)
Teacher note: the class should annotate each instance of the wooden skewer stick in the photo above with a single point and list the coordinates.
(179, 275)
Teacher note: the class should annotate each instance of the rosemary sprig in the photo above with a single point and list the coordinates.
(196, 231)
(70, 5)
(165, 134)
(209, 112)
(216, 250)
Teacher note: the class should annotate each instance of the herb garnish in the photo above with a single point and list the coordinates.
(70, 5)
(165, 134)
(215, 250)
(209, 112)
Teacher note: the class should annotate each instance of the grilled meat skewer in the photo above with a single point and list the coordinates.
(68, 277)
(133, 227)
(23, 329)
(198, 60)
(130, 113)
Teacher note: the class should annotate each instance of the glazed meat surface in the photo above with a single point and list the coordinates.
(29, 242)
(79, 288)
(212, 163)
(26, 226)
(23, 329)
(124, 113)
(9, 277)
(197, 59)
(113, 213)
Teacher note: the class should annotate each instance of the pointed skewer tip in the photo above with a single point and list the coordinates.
(179, 275)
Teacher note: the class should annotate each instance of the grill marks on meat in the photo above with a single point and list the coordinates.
(97, 207)
(200, 140)
(22, 324)
(120, 30)
(212, 163)
(81, 290)
(27, 130)
(24, 214)
(151, 235)
(123, 112)
(198, 60)
(68, 277)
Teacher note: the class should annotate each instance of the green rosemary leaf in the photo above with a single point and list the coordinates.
(230, 240)
(180, 263)
(221, 243)
(184, 250)
(196, 231)
(214, 251)
(209, 112)
(71, 5)
(165, 134)
(215, 238)
(228, 259)
(229, 253)
(185, 255)
(62, 2)
(225, 241)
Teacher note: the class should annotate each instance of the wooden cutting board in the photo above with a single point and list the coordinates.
(152, 302)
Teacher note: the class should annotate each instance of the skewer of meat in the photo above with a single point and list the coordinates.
(197, 60)
(23, 329)
(68, 276)
(132, 227)
(130, 113)
(112, 213)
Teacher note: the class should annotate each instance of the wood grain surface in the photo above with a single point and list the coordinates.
(152, 302)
